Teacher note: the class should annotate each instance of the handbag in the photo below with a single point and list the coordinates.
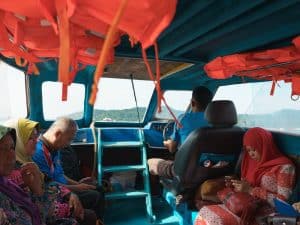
(278, 220)
(235, 201)
(241, 204)
(209, 189)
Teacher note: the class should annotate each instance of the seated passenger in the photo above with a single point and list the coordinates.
(190, 121)
(265, 174)
(59, 199)
(16, 206)
(47, 157)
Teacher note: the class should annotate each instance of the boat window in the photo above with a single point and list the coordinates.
(177, 100)
(115, 100)
(256, 107)
(54, 107)
(13, 102)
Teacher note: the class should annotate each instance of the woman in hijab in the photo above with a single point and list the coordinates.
(58, 205)
(26, 138)
(16, 206)
(265, 174)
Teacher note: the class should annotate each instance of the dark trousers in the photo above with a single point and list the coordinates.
(89, 218)
(93, 199)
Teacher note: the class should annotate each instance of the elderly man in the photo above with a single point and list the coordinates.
(47, 157)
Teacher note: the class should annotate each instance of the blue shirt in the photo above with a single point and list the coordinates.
(57, 173)
(190, 121)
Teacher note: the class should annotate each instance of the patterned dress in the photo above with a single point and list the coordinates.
(11, 213)
(276, 183)
(53, 206)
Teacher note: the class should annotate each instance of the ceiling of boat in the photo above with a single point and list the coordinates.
(203, 30)
(123, 67)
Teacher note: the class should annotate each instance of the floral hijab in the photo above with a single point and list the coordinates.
(5, 130)
(14, 192)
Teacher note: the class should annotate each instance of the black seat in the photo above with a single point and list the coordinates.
(222, 137)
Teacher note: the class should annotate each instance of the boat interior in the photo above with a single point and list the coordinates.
(200, 32)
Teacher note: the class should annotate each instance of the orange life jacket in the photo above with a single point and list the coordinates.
(275, 64)
(80, 32)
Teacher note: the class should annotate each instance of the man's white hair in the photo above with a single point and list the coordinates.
(64, 124)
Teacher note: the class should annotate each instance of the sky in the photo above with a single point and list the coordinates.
(118, 94)
(12, 90)
(245, 96)
(113, 94)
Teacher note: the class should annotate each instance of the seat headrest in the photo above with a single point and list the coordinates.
(221, 113)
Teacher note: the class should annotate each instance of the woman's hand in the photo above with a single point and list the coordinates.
(241, 186)
(76, 207)
(228, 180)
(32, 178)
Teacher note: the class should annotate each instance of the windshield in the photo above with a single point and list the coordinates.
(178, 102)
(116, 102)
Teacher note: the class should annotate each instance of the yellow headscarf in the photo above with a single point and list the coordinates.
(24, 128)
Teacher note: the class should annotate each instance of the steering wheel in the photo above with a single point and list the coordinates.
(168, 130)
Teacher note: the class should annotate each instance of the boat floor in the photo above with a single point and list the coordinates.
(133, 212)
